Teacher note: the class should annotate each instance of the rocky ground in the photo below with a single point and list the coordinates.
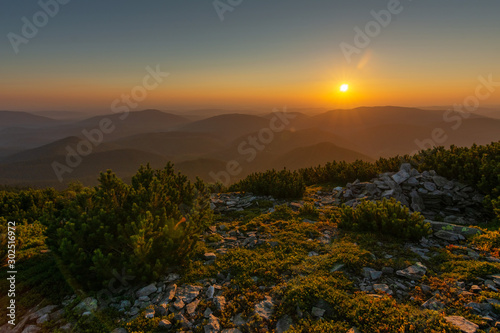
(262, 268)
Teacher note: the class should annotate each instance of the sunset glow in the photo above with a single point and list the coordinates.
(236, 63)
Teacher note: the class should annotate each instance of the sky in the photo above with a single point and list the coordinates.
(246, 54)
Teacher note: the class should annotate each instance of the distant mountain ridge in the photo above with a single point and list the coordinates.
(204, 147)
(24, 119)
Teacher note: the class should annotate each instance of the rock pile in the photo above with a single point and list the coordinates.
(432, 195)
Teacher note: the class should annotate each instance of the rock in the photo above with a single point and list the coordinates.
(179, 304)
(191, 307)
(43, 311)
(462, 324)
(337, 267)
(475, 289)
(210, 292)
(317, 312)
(417, 203)
(210, 256)
(448, 236)
(401, 176)
(490, 284)
(426, 193)
(172, 277)
(312, 254)
(31, 329)
(406, 167)
(149, 313)
(68, 328)
(433, 304)
(160, 310)
(213, 325)
(387, 193)
(284, 324)
(458, 229)
(371, 274)
(479, 308)
(119, 330)
(207, 312)
(164, 324)
(188, 293)
(431, 187)
(493, 301)
(220, 303)
(231, 330)
(382, 288)
(183, 321)
(125, 304)
(43, 319)
(414, 272)
(265, 308)
(56, 315)
(170, 293)
(144, 299)
(387, 270)
(133, 311)
(353, 330)
(146, 291)
(88, 304)
(440, 181)
(238, 320)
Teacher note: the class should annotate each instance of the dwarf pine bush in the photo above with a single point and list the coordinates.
(279, 184)
(140, 228)
(387, 217)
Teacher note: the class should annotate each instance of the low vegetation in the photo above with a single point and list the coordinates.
(385, 217)
(279, 184)
(74, 241)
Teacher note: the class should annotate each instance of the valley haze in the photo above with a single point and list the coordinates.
(42, 151)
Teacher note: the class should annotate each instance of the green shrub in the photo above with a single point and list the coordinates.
(340, 173)
(28, 205)
(385, 217)
(341, 254)
(141, 228)
(469, 270)
(279, 184)
(309, 210)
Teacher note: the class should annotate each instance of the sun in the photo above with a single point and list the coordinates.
(344, 87)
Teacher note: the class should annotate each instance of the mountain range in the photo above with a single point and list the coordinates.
(204, 144)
